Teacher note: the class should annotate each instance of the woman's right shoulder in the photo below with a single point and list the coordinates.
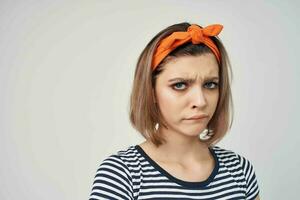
(121, 159)
(114, 175)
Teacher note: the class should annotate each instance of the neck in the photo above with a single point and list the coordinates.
(181, 148)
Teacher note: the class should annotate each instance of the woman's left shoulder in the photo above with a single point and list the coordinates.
(232, 157)
(237, 162)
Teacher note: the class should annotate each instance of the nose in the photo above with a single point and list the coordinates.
(198, 98)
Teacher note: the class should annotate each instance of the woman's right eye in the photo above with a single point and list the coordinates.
(175, 86)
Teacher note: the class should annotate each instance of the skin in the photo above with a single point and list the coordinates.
(185, 155)
(178, 101)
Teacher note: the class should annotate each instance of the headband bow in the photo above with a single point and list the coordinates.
(195, 34)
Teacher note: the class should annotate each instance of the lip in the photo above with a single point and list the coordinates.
(196, 117)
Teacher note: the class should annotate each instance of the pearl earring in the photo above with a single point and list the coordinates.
(156, 126)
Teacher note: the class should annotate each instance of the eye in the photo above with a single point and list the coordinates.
(212, 85)
(179, 84)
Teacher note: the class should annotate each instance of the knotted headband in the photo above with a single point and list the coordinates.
(195, 34)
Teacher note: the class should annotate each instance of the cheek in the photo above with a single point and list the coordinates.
(166, 97)
(168, 102)
(213, 99)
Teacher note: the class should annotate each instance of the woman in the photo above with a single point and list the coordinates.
(181, 103)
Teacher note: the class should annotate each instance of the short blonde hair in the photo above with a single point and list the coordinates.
(144, 112)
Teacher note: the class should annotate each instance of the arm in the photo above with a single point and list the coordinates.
(112, 181)
(252, 188)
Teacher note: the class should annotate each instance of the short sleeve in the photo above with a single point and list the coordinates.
(252, 188)
(112, 180)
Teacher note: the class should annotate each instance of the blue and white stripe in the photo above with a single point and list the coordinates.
(132, 174)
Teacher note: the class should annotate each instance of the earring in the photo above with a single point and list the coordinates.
(206, 134)
(156, 126)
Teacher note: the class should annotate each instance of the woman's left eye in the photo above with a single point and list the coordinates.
(214, 85)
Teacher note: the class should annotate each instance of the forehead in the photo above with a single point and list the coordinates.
(202, 66)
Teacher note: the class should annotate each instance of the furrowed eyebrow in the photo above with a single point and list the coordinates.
(192, 80)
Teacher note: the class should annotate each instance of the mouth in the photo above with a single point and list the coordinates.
(198, 117)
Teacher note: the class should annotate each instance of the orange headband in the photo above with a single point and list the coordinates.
(195, 34)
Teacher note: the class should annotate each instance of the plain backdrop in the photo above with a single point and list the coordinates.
(66, 70)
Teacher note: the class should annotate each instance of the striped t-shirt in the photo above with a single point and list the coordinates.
(132, 174)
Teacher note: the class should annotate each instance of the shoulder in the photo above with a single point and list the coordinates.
(120, 160)
(228, 156)
(114, 177)
(237, 162)
(124, 161)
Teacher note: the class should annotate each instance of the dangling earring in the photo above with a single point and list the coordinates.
(206, 134)
(156, 126)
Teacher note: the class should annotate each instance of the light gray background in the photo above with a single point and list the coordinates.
(66, 69)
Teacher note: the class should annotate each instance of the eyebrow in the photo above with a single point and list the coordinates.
(192, 80)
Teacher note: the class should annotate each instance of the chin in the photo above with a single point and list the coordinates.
(192, 131)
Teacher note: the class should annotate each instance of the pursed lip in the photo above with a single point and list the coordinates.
(198, 116)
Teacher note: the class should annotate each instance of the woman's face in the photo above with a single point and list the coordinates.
(188, 86)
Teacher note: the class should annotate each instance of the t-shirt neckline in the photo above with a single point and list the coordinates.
(189, 184)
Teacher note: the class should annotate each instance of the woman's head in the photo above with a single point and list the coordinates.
(156, 100)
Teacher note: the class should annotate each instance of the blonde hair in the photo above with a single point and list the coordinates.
(144, 112)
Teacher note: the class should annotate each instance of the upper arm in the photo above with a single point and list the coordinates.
(112, 180)
(252, 188)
